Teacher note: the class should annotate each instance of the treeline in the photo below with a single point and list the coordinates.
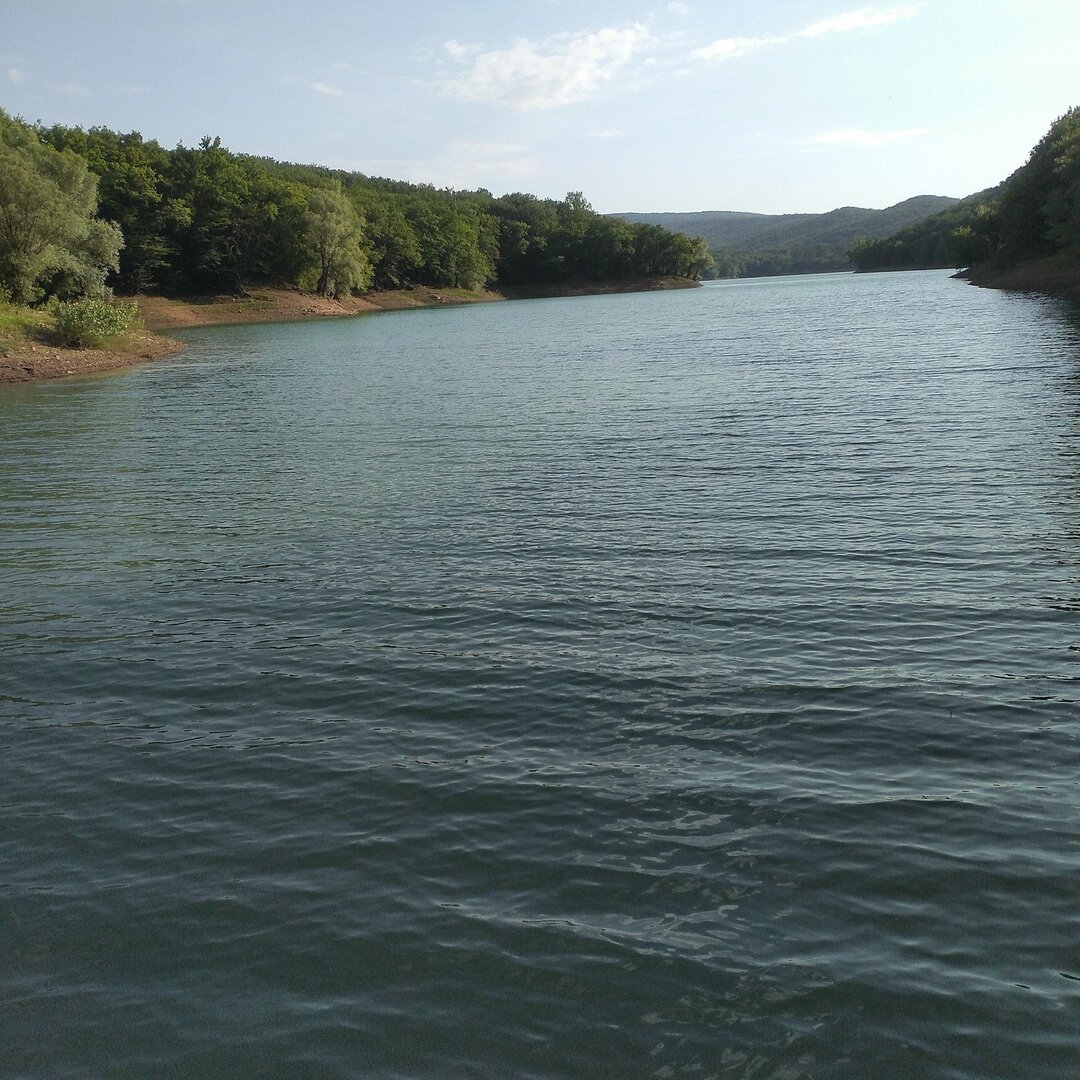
(772, 262)
(759, 245)
(1032, 214)
(139, 218)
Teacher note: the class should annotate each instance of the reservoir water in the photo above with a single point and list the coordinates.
(668, 685)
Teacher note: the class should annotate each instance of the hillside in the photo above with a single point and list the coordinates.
(961, 234)
(750, 245)
(1022, 234)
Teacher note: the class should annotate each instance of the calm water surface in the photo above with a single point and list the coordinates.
(677, 685)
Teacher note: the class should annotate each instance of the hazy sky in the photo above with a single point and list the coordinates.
(767, 105)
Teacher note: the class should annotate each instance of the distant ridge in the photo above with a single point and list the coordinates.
(750, 245)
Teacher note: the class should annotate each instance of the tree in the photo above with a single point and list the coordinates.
(203, 219)
(700, 261)
(131, 176)
(210, 192)
(1040, 207)
(527, 228)
(457, 243)
(333, 236)
(395, 250)
(266, 237)
(51, 244)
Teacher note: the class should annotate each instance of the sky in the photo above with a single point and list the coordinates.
(773, 106)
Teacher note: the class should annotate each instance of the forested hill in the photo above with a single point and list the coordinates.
(752, 245)
(1031, 220)
(84, 209)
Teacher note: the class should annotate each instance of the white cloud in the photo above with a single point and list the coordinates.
(459, 51)
(608, 133)
(560, 70)
(857, 137)
(678, 8)
(15, 75)
(859, 20)
(322, 88)
(729, 48)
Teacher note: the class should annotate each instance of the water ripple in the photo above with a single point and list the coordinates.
(686, 689)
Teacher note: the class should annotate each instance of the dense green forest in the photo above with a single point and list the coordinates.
(83, 210)
(758, 245)
(1033, 214)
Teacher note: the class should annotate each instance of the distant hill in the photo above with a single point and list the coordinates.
(753, 245)
(962, 234)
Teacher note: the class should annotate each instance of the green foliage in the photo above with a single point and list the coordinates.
(18, 322)
(333, 236)
(205, 220)
(51, 244)
(1034, 213)
(91, 322)
(131, 194)
(964, 234)
(457, 243)
(394, 248)
(1040, 203)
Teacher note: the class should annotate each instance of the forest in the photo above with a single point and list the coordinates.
(1033, 214)
(87, 211)
(762, 245)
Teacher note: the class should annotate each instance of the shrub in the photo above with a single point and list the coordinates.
(91, 323)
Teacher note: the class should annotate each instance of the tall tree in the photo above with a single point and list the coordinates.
(333, 236)
(391, 239)
(51, 242)
(132, 176)
(210, 191)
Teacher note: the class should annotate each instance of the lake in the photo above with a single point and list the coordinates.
(669, 685)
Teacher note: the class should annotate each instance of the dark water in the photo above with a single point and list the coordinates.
(677, 685)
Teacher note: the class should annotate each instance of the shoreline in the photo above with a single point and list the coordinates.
(1051, 276)
(36, 361)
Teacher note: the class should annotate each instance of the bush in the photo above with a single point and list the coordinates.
(90, 323)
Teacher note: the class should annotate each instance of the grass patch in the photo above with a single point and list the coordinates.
(20, 326)
(462, 294)
(80, 324)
